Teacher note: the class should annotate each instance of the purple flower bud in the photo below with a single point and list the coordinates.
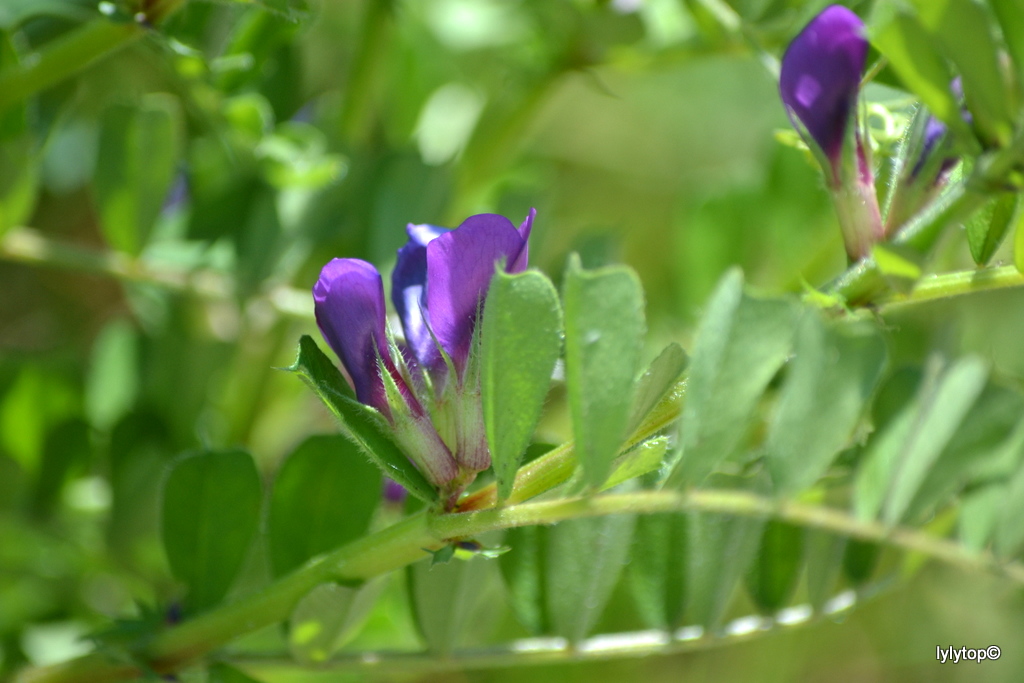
(441, 278)
(820, 78)
(394, 493)
(349, 306)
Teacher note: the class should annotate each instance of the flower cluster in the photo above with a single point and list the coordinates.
(426, 386)
(819, 84)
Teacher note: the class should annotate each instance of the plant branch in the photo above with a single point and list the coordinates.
(947, 285)
(408, 541)
(28, 246)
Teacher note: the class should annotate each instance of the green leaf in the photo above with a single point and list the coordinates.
(19, 159)
(1018, 241)
(139, 451)
(211, 509)
(225, 673)
(522, 568)
(584, 560)
(138, 152)
(773, 574)
(964, 31)
(67, 448)
(657, 572)
(520, 343)
(979, 515)
(959, 387)
(860, 560)
(365, 426)
(721, 549)
(914, 57)
(323, 497)
(842, 363)
(1009, 531)
(899, 458)
(292, 10)
(328, 617)
(987, 228)
(1010, 14)
(113, 374)
(824, 555)
(741, 343)
(646, 457)
(604, 329)
(896, 265)
(981, 439)
(13, 13)
(450, 600)
(652, 386)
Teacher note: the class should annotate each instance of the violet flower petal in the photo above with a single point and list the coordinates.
(460, 265)
(521, 261)
(821, 74)
(408, 282)
(349, 306)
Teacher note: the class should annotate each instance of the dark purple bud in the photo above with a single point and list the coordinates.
(820, 78)
(460, 265)
(349, 306)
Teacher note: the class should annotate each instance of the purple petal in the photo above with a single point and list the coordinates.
(460, 265)
(349, 305)
(821, 74)
(521, 261)
(408, 281)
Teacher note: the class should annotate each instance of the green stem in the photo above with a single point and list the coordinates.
(947, 285)
(864, 284)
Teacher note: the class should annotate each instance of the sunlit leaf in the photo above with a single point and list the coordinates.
(604, 327)
(741, 343)
(520, 342)
(986, 229)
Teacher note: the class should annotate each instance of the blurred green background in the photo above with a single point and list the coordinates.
(226, 156)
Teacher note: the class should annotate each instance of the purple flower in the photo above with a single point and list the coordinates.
(820, 78)
(439, 285)
(441, 278)
(819, 84)
(349, 305)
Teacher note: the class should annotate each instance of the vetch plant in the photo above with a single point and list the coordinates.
(499, 459)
